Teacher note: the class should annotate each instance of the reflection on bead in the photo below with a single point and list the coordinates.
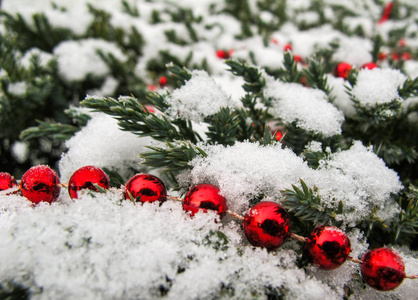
(40, 184)
(267, 225)
(327, 247)
(145, 188)
(7, 181)
(204, 197)
(382, 269)
(85, 178)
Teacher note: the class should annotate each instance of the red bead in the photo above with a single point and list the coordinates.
(7, 181)
(40, 184)
(342, 70)
(85, 178)
(382, 269)
(267, 225)
(327, 247)
(204, 197)
(370, 66)
(145, 188)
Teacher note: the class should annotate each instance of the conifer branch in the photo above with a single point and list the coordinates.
(174, 157)
(254, 82)
(315, 75)
(290, 71)
(223, 127)
(306, 205)
(58, 131)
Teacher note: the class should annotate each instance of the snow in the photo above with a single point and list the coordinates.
(377, 86)
(102, 144)
(309, 108)
(103, 247)
(198, 98)
(77, 59)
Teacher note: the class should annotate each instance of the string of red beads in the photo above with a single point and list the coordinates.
(266, 224)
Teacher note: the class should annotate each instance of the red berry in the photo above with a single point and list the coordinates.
(152, 87)
(386, 13)
(402, 42)
(85, 178)
(40, 183)
(279, 136)
(145, 188)
(298, 58)
(150, 108)
(267, 225)
(221, 54)
(382, 269)
(7, 181)
(406, 56)
(382, 56)
(395, 56)
(204, 197)
(327, 247)
(162, 81)
(287, 47)
(342, 70)
(370, 66)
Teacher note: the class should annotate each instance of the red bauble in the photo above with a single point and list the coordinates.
(327, 247)
(267, 225)
(85, 178)
(204, 197)
(342, 70)
(40, 184)
(370, 66)
(145, 188)
(382, 269)
(7, 181)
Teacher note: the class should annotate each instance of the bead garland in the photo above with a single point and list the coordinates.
(266, 224)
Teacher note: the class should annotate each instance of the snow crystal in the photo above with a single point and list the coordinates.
(360, 179)
(17, 88)
(44, 57)
(20, 151)
(377, 86)
(77, 59)
(309, 108)
(357, 177)
(200, 97)
(247, 170)
(354, 50)
(341, 98)
(101, 247)
(101, 143)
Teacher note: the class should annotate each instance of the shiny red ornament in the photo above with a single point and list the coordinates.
(370, 66)
(382, 269)
(327, 247)
(267, 225)
(204, 197)
(85, 178)
(40, 184)
(145, 188)
(7, 181)
(342, 70)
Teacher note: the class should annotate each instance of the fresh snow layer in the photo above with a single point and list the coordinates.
(377, 86)
(77, 59)
(200, 97)
(357, 177)
(101, 143)
(309, 108)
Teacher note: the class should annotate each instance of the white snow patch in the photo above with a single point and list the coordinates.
(377, 86)
(309, 108)
(200, 97)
